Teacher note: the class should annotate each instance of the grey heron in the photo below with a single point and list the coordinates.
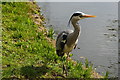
(67, 40)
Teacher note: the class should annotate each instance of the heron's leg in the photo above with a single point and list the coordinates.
(66, 67)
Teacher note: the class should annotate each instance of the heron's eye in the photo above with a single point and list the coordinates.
(80, 16)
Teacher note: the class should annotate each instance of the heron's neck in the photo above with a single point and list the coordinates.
(74, 36)
(76, 26)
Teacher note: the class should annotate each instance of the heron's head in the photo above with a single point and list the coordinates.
(80, 15)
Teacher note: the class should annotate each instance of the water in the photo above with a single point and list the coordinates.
(98, 40)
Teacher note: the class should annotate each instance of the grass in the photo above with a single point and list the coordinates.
(22, 44)
(50, 33)
(26, 53)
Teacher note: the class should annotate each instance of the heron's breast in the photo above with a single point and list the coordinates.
(67, 48)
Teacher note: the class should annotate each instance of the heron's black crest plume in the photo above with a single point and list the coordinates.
(70, 20)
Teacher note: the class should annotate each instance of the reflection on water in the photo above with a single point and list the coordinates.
(98, 40)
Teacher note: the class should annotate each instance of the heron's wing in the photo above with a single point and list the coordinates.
(61, 41)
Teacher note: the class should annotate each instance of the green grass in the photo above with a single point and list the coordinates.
(22, 44)
(26, 53)
(50, 33)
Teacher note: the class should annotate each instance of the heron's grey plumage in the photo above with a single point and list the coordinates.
(61, 41)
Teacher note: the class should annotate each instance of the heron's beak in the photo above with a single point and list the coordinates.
(88, 16)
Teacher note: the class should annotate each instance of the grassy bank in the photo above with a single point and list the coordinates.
(27, 52)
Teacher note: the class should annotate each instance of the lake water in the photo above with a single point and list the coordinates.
(98, 41)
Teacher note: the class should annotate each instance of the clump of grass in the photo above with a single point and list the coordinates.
(50, 33)
(79, 71)
(106, 75)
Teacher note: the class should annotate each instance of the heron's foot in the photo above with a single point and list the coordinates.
(65, 74)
